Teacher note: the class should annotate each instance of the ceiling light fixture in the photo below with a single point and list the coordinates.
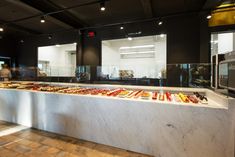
(57, 45)
(42, 19)
(121, 27)
(102, 6)
(1, 29)
(129, 38)
(136, 47)
(140, 52)
(162, 35)
(214, 41)
(160, 23)
(209, 16)
(49, 36)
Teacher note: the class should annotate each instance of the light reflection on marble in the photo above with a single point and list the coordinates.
(159, 129)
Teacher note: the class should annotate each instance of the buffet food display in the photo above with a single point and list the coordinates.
(97, 112)
(163, 96)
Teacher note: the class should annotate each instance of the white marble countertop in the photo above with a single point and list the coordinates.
(161, 129)
(220, 101)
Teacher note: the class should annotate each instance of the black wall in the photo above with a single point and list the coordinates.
(27, 55)
(187, 38)
(8, 47)
(91, 49)
(204, 40)
(183, 45)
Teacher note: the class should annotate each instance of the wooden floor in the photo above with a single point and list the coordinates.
(19, 141)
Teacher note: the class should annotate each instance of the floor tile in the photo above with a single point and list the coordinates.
(37, 143)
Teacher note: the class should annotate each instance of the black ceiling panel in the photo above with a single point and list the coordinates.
(69, 3)
(13, 10)
(49, 26)
(167, 7)
(117, 11)
(47, 6)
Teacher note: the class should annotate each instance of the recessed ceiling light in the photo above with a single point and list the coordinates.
(209, 16)
(42, 19)
(102, 6)
(75, 43)
(162, 35)
(121, 27)
(160, 23)
(1, 29)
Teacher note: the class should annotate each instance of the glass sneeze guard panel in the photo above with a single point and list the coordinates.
(176, 75)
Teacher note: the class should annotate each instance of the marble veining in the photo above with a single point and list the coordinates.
(159, 129)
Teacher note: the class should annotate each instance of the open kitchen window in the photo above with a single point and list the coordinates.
(139, 57)
(57, 60)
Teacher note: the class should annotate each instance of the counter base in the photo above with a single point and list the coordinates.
(151, 128)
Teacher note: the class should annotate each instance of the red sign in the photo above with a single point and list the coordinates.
(91, 34)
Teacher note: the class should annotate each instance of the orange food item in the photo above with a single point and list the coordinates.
(115, 92)
(193, 99)
(131, 94)
(123, 93)
(154, 97)
(138, 94)
(145, 95)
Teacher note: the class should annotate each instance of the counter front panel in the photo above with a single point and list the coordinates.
(151, 127)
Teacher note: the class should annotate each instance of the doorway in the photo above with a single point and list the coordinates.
(5, 60)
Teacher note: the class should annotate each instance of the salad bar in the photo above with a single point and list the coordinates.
(159, 121)
(164, 96)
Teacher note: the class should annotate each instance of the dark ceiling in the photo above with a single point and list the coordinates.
(23, 16)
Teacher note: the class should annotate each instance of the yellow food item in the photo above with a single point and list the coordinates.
(145, 94)
(183, 97)
(123, 93)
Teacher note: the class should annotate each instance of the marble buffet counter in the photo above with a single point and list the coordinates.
(154, 127)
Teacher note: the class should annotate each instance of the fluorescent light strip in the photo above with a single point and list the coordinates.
(134, 47)
(127, 53)
(215, 41)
